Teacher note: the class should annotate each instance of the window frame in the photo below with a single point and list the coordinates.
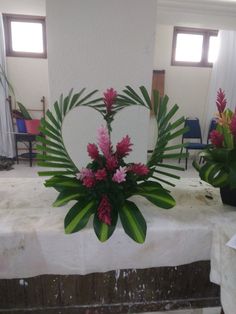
(7, 19)
(206, 33)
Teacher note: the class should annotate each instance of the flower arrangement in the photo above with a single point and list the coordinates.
(104, 187)
(220, 158)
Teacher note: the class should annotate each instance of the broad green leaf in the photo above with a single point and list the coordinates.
(133, 222)
(46, 125)
(75, 98)
(104, 231)
(66, 196)
(49, 150)
(146, 96)
(58, 112)
(78, 216)
(54, 173)
(53, 120)
(159, 197)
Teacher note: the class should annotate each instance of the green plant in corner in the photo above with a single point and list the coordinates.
(219, 168)
(103, 188)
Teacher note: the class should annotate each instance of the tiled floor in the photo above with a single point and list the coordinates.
(24, 171)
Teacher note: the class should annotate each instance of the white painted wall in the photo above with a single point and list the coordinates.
(99, 44)
(29, 76)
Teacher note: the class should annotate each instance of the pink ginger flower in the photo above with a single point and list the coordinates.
(93, 151)
(216, 138)
(139, 169)
(221, 101)
(233, 125)
(104, 142)
(87, 177)
(120, 175)
(104, 210)
(123, 148)
(84, 172)
(89, 182)
(101, 174)
(109, 98)
(111, 163)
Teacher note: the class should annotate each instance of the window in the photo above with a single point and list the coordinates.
(25, 36)
(194, 47)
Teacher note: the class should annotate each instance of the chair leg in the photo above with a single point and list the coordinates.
(222, 311)
(186, 160)
(16, 147)
(30, 153)
(180, 154)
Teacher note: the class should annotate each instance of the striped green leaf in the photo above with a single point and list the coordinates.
(67, 195)
(133, 222)
(104, 231)
(78, 216)
(158, 197)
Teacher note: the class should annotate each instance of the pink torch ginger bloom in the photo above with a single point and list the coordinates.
(233, 125)
(93, 151)
(139, 169)
(104, 210)
(120, 175)
(89, 182)
(221, 101)
(84, 172)
(87, 177)
(104, 142)
(109, 98)
(216, 138)
(101, 174)
(111, 163)
(123, 147)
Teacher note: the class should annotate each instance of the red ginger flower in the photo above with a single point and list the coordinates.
(123, 148)
(221, 100)
(109, 98)
(233, 125)
(89, 182)
(104, 210)
(216, 138)
(101, 174)
(139, 169)
(93, 151)
(111, 163)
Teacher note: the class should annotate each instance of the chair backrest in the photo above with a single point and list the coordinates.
(194, 129)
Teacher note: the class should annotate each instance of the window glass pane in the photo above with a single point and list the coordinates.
(213, 49)
(189, 47)
(27, 37)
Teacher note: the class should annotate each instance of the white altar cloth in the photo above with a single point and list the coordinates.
(32, 239)
(223, 263)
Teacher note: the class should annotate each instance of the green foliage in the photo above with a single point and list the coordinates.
(24, 111)
(219, 168)
(53, 154)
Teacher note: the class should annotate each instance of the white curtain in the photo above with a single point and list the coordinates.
(7, 148)
(223, 75)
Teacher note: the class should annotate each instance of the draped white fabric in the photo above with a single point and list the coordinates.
(6, 129)
(223, 74)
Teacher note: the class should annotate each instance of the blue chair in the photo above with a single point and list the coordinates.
(193, 133)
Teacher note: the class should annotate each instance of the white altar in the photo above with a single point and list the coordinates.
(32, 239)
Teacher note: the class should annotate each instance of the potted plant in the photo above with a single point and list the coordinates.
(219, 168)
(31, 125)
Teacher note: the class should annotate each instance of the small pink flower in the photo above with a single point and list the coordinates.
(216, 138)
(123, 147)
(120, 175)
(101, 174)
(109, 98)
(84, 172)
(93, 151)
(139, 169)
(104, 142)
(104, 210)
(89, 182)
(221, 101)
(233, 125)
(111, 163)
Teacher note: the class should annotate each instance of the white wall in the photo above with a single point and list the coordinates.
(101, 44)
(29, 76)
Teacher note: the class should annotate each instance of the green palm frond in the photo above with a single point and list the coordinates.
(52, 152)
(167, 129)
